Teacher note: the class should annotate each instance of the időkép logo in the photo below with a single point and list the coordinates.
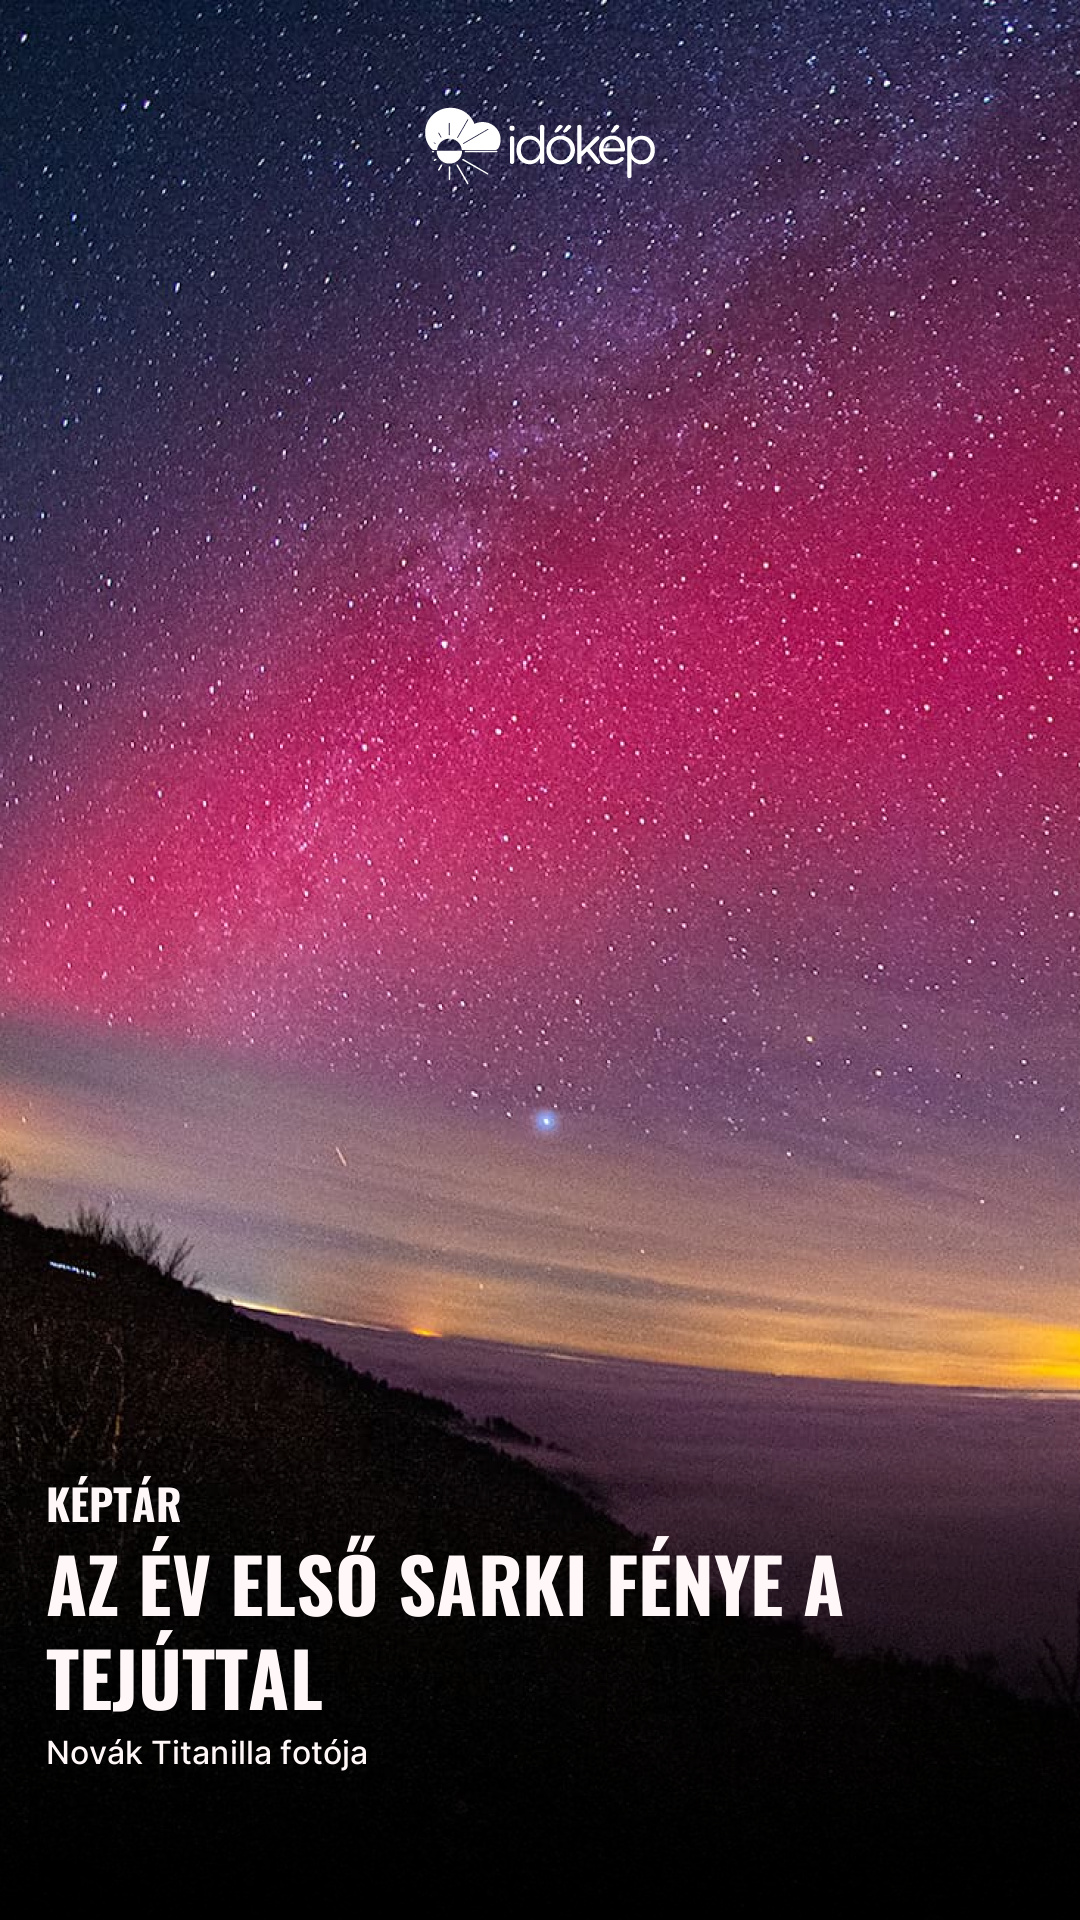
(456, 139)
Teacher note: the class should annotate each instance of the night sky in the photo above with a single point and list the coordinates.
(539, 739)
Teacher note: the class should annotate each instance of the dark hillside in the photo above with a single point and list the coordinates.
(490, 1738)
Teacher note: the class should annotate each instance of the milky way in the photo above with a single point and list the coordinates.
(559, 640)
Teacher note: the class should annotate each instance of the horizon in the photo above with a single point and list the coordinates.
(347, 1202)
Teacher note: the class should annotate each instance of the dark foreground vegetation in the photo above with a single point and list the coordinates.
(495, 1747)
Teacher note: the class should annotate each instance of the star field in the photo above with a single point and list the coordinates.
(561, 642)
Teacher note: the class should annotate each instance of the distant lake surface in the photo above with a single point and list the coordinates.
(953, 1516)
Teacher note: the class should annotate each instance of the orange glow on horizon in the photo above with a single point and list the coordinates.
(982, 1351)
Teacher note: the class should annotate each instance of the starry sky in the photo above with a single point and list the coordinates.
(539, 735)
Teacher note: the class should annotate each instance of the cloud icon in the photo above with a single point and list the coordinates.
(454, 136)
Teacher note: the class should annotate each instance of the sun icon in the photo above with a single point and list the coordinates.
(454, 137)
